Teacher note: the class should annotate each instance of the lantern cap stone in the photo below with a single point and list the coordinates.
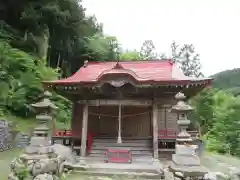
(45, 103)
(180, 96)
(47, 94)
(181, 106)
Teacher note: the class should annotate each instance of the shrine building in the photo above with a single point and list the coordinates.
(125, 107)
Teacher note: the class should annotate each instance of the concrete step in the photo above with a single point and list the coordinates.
(119, 174)
(115, 173)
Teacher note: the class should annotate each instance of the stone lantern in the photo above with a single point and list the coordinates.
(41, 159)
(185, 163)
(44, 110)
(41, 134)
(182, 109)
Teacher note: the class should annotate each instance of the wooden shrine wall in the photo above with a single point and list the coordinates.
(166, 118)
(77, 116)
(138, 125)
(104, 120)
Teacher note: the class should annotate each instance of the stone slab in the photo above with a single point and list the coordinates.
(185, 160)
(188, 171)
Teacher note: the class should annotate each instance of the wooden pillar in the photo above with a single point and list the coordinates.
(84, 130)
(155, 130)
(119, 139)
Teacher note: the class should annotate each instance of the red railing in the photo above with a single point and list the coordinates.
(118, 155)
(63, 133)
(90, 140)
(70, 134)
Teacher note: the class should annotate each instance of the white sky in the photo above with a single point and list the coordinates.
(213, 26)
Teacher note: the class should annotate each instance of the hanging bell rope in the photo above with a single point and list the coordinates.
(126, 115)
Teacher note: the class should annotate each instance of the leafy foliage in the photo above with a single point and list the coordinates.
(217, 113)
(130, 55)
(21, 76)
(44, 40)
(103, 48)
(56, 30)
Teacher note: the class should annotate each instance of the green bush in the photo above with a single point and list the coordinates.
(21, 77)
(217, 113)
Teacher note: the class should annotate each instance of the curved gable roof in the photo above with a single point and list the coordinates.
(149, 71)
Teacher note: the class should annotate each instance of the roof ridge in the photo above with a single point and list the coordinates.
(133, 61)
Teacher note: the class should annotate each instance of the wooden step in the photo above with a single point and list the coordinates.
(127, 138)
(142, 149)
(132, 148)
(133, 138)
(133, 156)
(133, 152)
(139, 147)
(122, 144)
(123, 141)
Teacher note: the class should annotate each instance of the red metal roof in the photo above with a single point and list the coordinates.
(141, 71)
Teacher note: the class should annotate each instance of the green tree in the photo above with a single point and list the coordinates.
(148, 50)
(217, 113)
(21, 76)
(103, 48)
(53, 29)
(203, 112)
(130, 55)
(39, 39)
(187, 59)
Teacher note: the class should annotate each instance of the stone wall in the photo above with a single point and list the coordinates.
(22, 140)
(6, 140)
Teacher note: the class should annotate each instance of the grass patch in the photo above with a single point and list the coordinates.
(219, 163)
(28, 124)
(5, 161)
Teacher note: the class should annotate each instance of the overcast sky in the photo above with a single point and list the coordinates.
(213, 26)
